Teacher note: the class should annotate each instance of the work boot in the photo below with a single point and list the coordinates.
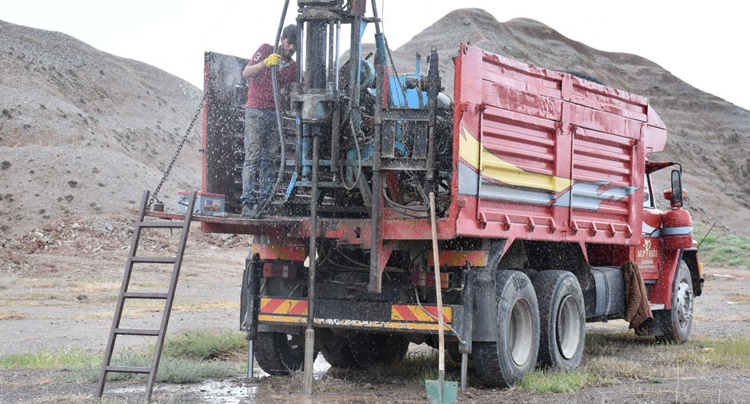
(248, 210)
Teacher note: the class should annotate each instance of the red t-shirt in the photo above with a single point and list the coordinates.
(260, 88)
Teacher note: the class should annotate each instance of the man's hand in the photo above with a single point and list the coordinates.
(272, 60)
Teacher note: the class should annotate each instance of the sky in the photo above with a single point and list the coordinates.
(702, 43)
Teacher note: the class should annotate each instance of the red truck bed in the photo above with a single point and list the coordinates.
(546, 155)
(537, 154)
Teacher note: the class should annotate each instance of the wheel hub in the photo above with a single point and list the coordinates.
(684, 304)
(568, 327)
(521, 332)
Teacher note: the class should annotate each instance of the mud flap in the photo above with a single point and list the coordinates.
(485, 296)
(467, 302)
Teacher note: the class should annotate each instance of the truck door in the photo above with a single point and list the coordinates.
(647, 255)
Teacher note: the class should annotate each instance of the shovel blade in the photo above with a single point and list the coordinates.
(450, 392)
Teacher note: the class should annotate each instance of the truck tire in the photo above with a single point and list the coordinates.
(678, 321)
(501, 363)
(562, 319)
(451, 348)
(377, 349)
(335, 350)
(279, 353)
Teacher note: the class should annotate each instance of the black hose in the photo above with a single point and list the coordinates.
(359, 159)
(278, 112)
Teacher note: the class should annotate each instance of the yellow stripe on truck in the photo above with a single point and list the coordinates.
(402, 312)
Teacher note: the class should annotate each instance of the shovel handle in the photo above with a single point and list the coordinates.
(438, 290)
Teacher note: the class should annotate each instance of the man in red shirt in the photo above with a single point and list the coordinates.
(261, 129)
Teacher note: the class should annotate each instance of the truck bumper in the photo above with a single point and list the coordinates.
(358, 315)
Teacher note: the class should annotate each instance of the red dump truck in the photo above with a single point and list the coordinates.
(544, 211)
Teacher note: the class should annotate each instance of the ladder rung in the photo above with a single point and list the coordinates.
(154, 260)
(133, 331)
(162, 225)
(145, 295)
(127, 369)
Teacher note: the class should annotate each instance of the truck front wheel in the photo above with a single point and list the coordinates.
(679, 319)
(501, 363)
(562, 318)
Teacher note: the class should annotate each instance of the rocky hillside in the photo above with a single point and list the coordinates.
(84, 132)
(710, 137)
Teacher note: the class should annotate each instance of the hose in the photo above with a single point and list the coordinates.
(278, 111)
(359, 158)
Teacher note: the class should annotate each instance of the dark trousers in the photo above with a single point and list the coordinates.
(261, 144)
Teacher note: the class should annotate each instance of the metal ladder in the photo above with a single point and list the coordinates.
(167, 296)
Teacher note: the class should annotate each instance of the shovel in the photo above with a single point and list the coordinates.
(439, 391)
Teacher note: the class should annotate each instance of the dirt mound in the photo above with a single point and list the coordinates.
(83, 132)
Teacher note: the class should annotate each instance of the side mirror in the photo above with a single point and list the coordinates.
(676, 199)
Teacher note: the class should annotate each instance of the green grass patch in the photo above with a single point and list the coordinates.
(191, 357)
(171, 370)
(421, 366)
(730, 353)
(551, 381)
(726, 249)
(609, 357)
(53, 360)
(206, 345)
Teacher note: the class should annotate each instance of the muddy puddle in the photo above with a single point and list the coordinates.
(241, 390)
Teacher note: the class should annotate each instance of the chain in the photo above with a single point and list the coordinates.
(174, 159)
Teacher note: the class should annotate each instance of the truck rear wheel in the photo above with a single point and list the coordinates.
(678, 321)
(451, 348)
(377, 349)
(335, 350)
(279, 353)
(562, 319)
(506, 360)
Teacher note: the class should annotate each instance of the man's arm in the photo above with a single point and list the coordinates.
(257, 62)
(252, 70)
